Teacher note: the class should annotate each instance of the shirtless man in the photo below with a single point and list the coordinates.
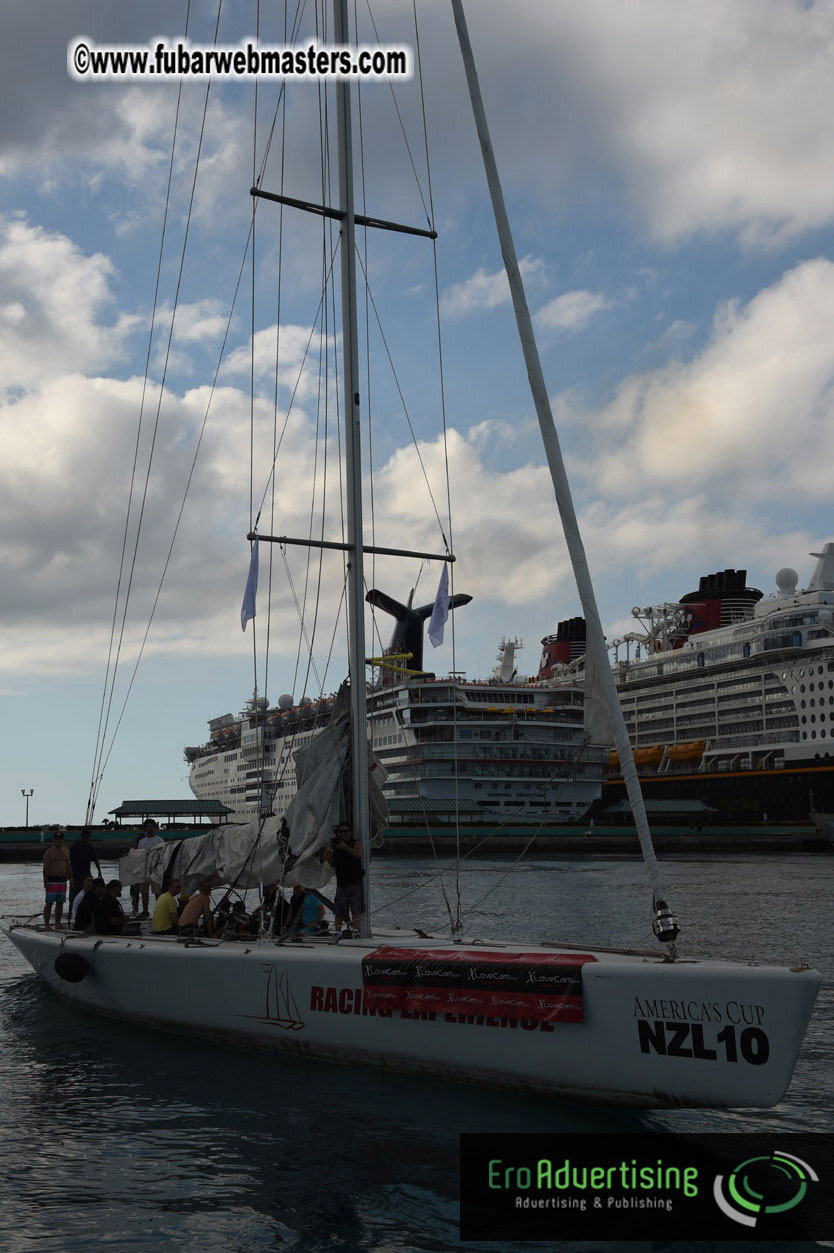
(56, 871)
(198, 907)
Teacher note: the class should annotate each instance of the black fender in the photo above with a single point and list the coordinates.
(72, 967)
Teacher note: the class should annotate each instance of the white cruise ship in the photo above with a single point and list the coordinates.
(506, 747)
(728, 695)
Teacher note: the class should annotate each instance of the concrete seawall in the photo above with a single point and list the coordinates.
(555, 842)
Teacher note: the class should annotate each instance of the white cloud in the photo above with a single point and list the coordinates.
(199, 324)
(298, 357)
(68, 449)
(674, 337)
(510, 549)
(202, 321)
(486, 291)
(710, 116)
(52, 303)
(68, 446)
(756, 405)
(569, 312)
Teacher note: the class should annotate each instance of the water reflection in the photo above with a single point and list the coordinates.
(138, 1123)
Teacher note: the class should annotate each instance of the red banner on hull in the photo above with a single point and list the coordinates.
(543, 987)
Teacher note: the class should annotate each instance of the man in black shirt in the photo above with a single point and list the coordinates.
(108, 914)
(345, 854)
(86, 906)
(82, 855)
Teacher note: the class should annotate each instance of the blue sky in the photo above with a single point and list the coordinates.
(670, 177)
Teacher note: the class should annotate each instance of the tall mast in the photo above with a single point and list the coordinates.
(353, 463)
(663, 924)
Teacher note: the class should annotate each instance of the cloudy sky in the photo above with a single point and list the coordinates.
(669, 172)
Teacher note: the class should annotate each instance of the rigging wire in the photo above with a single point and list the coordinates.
(102, 757)
(368, 391)
(183, 502)
(299, 611)
(489, 835)
(278, 295)
(252, 363)
(100, 734)
(445, 452)
(429, 219)
(155, 431)
(321, 410)
(446, 544)
(296, 386)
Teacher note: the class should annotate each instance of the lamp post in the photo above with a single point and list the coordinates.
(26, 793)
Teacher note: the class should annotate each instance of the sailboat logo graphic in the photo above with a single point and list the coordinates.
(280, 1007)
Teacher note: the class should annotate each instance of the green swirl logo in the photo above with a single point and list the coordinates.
(772, 1184)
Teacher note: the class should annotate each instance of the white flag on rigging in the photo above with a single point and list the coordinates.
(441, 608)
(247, 609)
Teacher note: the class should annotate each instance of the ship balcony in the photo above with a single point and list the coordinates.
(500, 771)
(758, 740)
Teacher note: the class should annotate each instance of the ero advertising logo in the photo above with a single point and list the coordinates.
(770, 1184)
(762, 1186)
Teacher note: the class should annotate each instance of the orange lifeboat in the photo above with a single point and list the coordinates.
(614, 759)
(693, 751)
(648, 756)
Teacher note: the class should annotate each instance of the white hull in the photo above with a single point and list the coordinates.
(654, 1033)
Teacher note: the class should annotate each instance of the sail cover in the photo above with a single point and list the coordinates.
(274, 850)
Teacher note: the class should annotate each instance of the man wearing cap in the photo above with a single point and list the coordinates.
(108, 915)
(56, 872)
(345, 854)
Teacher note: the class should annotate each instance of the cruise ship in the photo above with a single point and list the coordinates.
(728, 695)
(506, 748)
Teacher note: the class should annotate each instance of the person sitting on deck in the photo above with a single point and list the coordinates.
(85, 912)
(273, 912)
(86, 890)
(108, 914)
(238, 921)
(221, 914)
(196, 911)
(306, 912)
(166, 913)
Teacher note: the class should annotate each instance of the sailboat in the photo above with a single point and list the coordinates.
(617, 1027)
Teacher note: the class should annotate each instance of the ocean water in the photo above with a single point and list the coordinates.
(128, 1138)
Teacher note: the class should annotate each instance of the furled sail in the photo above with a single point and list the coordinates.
(284, 850)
